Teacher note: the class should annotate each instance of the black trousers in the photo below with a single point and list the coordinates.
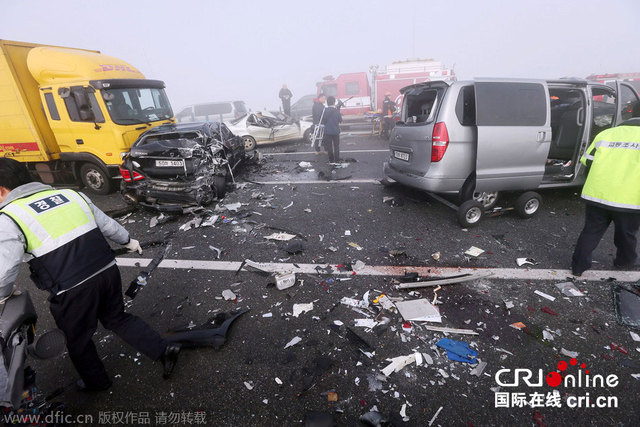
(596, 222)
(286, 106)
(332, 145)
(77, 312)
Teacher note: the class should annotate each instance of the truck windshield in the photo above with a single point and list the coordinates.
(137, 105)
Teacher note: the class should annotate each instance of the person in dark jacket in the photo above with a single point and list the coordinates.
(62, 235)
(331, 121)
(285, 95)
(316, 115)
(388, 109)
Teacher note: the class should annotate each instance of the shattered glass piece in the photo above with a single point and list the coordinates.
(474, 251)
(626, 300)
(569, 289)
(298, 309)
(293, 342)
(280, 236)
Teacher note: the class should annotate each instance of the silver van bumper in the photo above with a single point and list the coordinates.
(426, 183)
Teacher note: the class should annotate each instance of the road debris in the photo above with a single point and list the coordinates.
(568, 353)
(458, 351)
(543, 295)
(436, 256)
(474, 251)
(280, 236)
(526, 261)
(547, 310)
(285, 280)
(293, 342)
(449, 330)
(569, 289)
(419, 310)
(298, 309)
(626, 300)
(435, 416)
(479, 369)
(228, 295)
(444, 280)
(397, 363)
(216, 250)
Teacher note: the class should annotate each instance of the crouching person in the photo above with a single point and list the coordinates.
(62, 233)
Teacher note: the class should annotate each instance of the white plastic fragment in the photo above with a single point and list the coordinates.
(403, 411)
(365, 323)
(267, 315)
(249, 385)
(233, 207)
(293, 342)
(477, 371)
(435, 416)
(418, 357)
(474, 251)
(568, 353)
(543, 295)
(569, 289)
(427, 358)
(298, 309)
(347, 232)
(338, 322)
(288, 206)
(397, 363)
(634, 336)
(523, 261)
(279, 381)
(547, 336)
(280, 236)
(228, 295)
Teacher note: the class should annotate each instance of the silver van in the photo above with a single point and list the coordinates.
(212, 112)
(477, 138)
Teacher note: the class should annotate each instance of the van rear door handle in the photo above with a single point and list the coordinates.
(398, 137)
(541, 136)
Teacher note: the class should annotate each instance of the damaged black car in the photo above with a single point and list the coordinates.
(174, 166)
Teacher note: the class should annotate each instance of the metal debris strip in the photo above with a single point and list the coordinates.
(426, 282)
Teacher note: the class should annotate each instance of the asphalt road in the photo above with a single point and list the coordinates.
(254, 380)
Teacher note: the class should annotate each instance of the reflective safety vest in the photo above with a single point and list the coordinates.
(63, 237)
(613, 180)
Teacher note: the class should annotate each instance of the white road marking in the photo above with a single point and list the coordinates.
(389, 270)
(313, 152)
(344, 181)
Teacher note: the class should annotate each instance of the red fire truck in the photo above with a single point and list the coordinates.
(609, 79)
(361, 97)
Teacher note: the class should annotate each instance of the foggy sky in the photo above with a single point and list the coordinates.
(236, 50)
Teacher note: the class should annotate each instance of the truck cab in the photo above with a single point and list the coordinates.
(73, 114)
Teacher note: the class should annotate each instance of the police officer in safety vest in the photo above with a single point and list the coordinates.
(612, 193)
(62, 234)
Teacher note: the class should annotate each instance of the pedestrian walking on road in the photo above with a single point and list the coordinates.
(285, 95)
(62, 235)
(331, 121)
(316, 115)
(388, 110)
(611, 193)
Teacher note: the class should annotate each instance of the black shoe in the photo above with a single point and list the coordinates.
(81, 386)
(576, 273)
(169, 359)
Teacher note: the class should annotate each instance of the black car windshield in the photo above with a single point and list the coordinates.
(137, 105)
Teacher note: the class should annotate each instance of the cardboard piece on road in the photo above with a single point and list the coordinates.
(420, 310)
(569, 289)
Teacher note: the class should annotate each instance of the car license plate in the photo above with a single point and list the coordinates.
(169, 163)
(400, 155)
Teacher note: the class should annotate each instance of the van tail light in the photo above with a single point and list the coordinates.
(126, 175)
(440, 141)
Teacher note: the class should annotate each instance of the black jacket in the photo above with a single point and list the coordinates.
(316, 111)
(388, 107)
(331, 121)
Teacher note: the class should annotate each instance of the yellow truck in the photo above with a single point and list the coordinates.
(72, 114)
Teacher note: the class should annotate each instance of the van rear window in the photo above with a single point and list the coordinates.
(466, 106)
(420, 105)
(510, 104)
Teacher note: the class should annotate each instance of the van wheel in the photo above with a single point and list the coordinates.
(470, 213)
(488, 200)
(249, 143)
(528, 204)
(95, 179)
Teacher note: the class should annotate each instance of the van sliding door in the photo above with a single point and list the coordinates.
(514, 133)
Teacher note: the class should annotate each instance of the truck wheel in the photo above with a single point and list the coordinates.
(249, 143)
(528, 204)
(95, 179)
(470, 213)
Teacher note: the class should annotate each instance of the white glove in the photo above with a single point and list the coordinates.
(133, 246)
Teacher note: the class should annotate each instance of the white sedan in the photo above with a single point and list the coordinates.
(265, 128)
